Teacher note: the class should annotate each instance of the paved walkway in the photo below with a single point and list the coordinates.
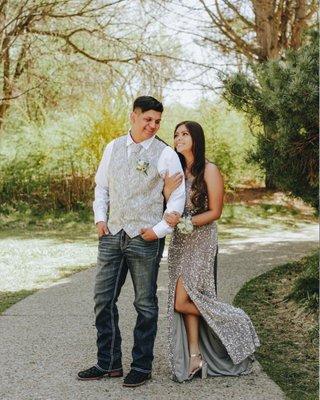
(46, 338)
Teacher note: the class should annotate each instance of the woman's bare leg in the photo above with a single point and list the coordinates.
(184, 305)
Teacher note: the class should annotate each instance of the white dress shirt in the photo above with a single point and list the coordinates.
(168, 161)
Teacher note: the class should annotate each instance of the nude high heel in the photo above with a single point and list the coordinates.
(203, 368)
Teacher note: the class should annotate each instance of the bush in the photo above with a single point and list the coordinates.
(24, 179)
(31, 180)
(228, 139)
(283, 96)
(110, 122)
(55, 169)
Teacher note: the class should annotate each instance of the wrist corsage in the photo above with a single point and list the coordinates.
(185, 225)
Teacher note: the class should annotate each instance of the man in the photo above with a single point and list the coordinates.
(128, 210)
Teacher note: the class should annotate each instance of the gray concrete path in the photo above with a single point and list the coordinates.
(46, 338)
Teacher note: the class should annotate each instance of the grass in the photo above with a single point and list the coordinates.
(24, 222)
(306, 288)
(287, 327)
(260, 216)
(8, 299)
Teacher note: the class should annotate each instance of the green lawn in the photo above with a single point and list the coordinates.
(288, 328)
(78, 226)
(7, 299)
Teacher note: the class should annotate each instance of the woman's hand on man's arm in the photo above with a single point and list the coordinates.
(171, 183)
(172, 218)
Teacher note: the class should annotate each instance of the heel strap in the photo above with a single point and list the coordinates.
(195, 355)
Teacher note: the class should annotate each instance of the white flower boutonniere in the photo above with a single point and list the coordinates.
(185, 225)
(142, 166)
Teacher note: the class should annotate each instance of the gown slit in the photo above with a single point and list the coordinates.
(180, 277)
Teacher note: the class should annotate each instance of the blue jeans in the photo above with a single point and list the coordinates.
(116, 255)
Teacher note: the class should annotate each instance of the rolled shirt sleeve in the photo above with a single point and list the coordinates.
(169, 162)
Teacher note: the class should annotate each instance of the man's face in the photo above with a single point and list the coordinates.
(145, 125)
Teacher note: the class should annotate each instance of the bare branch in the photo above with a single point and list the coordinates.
(226, 29)
(20, 61)
(182, 60)
(67, 38)
(83, 11)
(248, 23)
(312, 9)
(5, 99)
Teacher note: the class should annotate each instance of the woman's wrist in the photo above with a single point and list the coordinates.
(194, 220)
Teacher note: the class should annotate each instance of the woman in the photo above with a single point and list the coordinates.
(206, 336)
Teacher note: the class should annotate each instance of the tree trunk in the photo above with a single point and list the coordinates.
(6, 83)
(267, 29)
(299, 24)
(2, 39)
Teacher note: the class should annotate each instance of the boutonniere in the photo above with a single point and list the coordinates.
(185, 225)
(142, 166)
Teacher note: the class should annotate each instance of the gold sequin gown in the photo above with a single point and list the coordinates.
(227, 337)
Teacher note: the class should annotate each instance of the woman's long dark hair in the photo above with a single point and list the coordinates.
(199, 186)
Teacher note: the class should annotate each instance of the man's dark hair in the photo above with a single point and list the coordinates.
(146, 103)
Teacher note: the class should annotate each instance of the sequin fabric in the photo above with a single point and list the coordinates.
(191, 256)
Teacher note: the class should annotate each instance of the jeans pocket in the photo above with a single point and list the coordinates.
(152, 246)
(148, 241)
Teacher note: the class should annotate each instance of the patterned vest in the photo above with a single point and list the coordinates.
(136, 199)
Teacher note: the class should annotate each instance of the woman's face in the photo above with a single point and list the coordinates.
(182, 140)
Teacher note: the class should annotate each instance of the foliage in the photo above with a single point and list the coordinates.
(227, 142)
(288, 334)
(284, 98)
(227, 138)
(24, 178)
(29, 180)
(51, 166)
(306, 287)
(109, 122)
(55, 53)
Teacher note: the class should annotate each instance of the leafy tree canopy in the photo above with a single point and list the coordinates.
(283, 97)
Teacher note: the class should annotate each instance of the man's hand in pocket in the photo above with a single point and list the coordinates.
(148, 234)
(102, 228)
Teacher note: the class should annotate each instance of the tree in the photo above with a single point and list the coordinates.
(245, 33)
(258, 30)
(110, 33)
(261, 30)
(283, 95)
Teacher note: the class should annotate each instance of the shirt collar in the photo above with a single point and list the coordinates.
(145, 144)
